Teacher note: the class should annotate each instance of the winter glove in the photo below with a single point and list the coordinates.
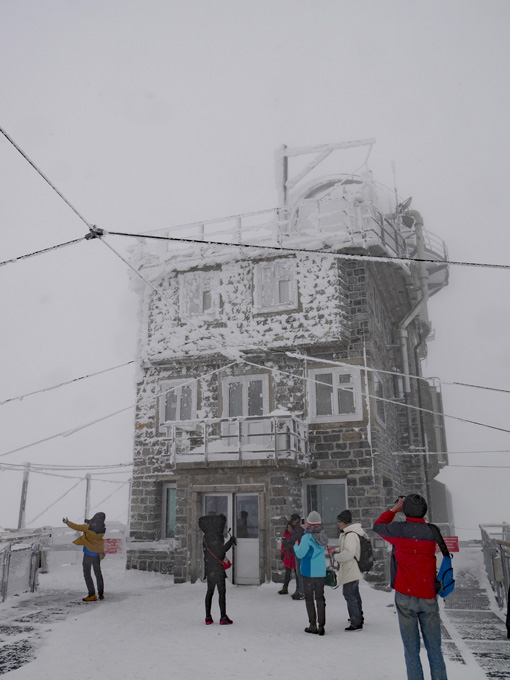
(65, 520)
(234, 540)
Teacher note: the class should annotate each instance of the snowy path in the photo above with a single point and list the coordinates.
(147, 627)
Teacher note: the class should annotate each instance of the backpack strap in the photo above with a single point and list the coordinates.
(439, 539)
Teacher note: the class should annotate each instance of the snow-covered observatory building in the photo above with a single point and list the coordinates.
(280, 370)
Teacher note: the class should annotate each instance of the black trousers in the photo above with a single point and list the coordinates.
(212, 583)
(288, 576)
(314, 588)
(93, 562)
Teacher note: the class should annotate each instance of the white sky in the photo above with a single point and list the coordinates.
(153, 114)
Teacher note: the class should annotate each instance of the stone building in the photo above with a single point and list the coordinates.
(284, 375)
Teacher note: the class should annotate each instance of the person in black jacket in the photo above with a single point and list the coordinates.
(215, 549)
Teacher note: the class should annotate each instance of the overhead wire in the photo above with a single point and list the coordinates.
(63, 384)
(41, 252)
(55, 502)
(341, 256)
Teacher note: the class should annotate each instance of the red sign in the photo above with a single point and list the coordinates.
(112, 545)
(452, 543)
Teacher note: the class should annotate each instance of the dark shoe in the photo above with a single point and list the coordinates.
(283, 591)
(321, 630)
(89, 598)
(311, 629)
(351, 627)
(225, 621)
(208, 620)
(298, 596)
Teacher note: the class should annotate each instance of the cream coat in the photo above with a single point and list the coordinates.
(348, 553)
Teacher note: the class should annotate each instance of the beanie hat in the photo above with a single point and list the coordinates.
(414, 506)
(313, 518)
(345, 516)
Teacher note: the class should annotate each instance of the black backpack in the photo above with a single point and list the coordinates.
(366, 554)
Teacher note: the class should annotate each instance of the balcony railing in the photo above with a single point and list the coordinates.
(277, 438)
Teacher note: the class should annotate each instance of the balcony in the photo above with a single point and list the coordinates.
(273, 438)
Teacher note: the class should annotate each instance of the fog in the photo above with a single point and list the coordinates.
(153, 115)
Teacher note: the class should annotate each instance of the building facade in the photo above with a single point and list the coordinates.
(284, 375)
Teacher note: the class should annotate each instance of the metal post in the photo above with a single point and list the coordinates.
(239, 442)
(87, 496)
(206, 443)
(275, 427)
(23, 501)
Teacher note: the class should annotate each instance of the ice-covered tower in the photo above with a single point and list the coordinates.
(280, 370)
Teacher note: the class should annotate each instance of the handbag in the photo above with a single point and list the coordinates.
(445, 583)
(225, 563)
(331, 577)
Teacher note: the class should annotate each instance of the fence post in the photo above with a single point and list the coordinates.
(5, 574)
(87, 496)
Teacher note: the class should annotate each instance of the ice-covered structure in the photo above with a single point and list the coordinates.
(280, 370)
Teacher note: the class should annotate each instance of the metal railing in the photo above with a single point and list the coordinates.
(19, 562)
(496, 555)
(278, 438)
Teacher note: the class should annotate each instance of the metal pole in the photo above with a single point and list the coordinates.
(23, 501)
(87, 496)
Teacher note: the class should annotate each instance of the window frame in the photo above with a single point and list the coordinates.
(245, 380)
(167, 486)
(177, 385)
(355, 382)
(278, 271)
(206, 281)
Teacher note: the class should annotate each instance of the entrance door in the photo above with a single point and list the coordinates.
(246, 565)
(220, 504)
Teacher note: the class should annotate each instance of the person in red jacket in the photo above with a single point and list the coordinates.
(413, 577)
(289, 560)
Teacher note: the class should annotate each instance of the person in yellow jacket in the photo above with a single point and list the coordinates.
(93, 552)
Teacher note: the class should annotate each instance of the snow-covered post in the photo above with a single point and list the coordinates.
(23, 500)
(87, 495)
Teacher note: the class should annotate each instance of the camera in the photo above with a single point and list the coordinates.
(399, 499)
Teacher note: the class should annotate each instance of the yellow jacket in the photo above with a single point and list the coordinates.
(89, 539)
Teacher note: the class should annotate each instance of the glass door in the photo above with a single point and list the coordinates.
(246, 566)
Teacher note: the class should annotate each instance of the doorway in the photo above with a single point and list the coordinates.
(242, 513)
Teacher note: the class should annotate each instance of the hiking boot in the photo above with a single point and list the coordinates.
(225, 621)
(283, 591)
(312, 629)
(101, 597)
(321, 630)
(298, 596)
(351, 627)
(89, 598)
(208, 620)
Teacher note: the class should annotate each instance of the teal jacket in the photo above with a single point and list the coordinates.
(311, 553)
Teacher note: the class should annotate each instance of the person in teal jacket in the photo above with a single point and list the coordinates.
(313, 569)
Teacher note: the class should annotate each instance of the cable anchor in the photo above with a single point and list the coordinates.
(94, 232)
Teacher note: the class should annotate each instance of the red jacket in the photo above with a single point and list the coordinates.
(413, 558)
(289, 559)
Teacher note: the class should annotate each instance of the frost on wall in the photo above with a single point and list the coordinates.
(245, 305)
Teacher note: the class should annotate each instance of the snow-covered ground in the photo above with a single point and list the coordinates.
(147, 627)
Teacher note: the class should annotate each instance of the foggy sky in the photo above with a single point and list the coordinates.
(162, 113)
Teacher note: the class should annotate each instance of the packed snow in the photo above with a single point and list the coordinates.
(149, 627)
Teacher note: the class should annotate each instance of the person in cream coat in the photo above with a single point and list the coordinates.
(347, 555)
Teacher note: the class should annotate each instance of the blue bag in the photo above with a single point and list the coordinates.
(445, 583)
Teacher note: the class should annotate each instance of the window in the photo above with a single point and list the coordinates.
(178, 401)
(335, 395)
(245, 395)
(328, 499)
(275, 286)
(199, 294)
(380, 411)
(169, 510)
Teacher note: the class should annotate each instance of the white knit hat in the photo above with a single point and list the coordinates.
(313, 518)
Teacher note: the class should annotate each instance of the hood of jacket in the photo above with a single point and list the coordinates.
(356, 528)
(212, 524)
